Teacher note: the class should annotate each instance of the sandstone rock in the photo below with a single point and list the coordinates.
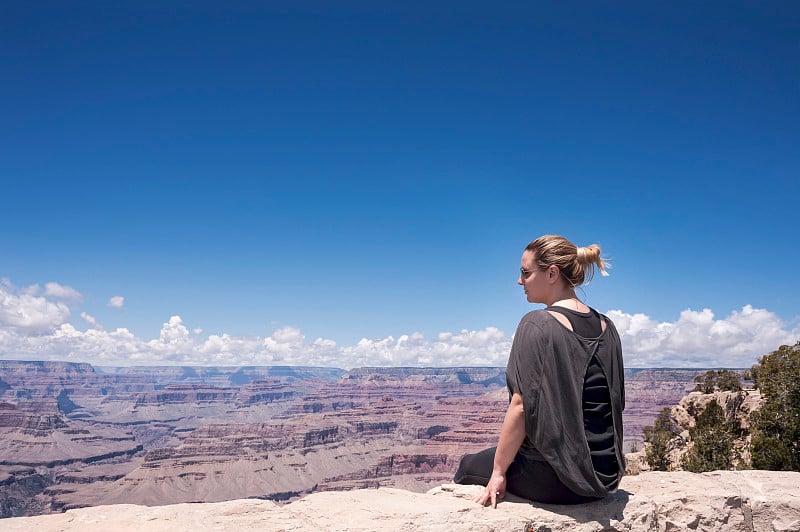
(68, 431)
(754, 501)
(647, 392)
(737, 407)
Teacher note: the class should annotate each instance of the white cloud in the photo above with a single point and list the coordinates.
(25, 313)
(35, 326)
(60, 291)
(699, 339)
(31, 290)
(88, 318)
(116, 302)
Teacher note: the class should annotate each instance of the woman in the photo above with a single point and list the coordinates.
(561, 440)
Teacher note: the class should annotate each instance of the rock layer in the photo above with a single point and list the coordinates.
(754, 501)
(737, 407)
(75, 435)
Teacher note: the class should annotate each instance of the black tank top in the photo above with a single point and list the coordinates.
(597, 421)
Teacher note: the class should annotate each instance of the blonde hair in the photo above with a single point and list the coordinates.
(576, 264)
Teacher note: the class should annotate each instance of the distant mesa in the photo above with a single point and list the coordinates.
(74, 435)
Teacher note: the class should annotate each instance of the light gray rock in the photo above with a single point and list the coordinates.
(756, 501)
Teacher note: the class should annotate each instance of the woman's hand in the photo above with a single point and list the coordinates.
(495, 490)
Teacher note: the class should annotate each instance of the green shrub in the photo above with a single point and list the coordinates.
(776, 425)
(712, 438)
(723, 380)
(658, 436)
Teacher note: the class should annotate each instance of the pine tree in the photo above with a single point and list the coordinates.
(776, 425)
(723, 380)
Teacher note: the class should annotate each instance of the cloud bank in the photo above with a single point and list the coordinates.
(34, 325)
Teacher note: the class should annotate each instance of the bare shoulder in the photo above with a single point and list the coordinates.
(563, 320)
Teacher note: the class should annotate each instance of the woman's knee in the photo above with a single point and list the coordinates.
(475, 468)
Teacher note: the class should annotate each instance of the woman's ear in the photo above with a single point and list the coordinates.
(552, 273)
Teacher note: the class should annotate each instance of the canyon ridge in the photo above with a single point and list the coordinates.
(74, 435)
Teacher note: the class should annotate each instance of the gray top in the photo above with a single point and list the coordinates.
(547, 366)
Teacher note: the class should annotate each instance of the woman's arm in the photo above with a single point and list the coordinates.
(511, 436)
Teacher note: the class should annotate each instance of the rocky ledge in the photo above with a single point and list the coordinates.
(724, 500)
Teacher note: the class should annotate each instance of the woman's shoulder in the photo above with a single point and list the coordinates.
(538, 317)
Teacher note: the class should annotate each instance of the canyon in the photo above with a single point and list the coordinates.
(75, 435)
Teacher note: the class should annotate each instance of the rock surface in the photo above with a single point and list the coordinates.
(647, 392)
(756, 501)
(737, 407)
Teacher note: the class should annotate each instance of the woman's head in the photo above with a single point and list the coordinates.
(575, 264)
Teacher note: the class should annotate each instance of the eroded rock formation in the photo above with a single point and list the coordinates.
(723, 501)
(187, 434)
(67, 429)
(737, 407)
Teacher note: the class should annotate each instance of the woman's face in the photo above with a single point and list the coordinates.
(532, 280)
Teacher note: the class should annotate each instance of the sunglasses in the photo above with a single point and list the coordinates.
(526, 273)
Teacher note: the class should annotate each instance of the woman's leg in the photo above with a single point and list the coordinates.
(537, 481)
(530, 479)
(475, 468)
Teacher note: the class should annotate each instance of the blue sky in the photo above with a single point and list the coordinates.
(352, 185)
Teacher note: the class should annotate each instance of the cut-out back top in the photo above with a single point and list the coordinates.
(597, 423)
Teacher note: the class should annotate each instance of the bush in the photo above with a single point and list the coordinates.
(712, 438)
(658, 436)
(723, 380)
(776, 425)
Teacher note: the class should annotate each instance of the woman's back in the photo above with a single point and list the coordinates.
(598, 423)
(547, 367)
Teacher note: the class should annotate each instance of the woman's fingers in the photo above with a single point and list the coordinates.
(482, 497)
(490, 496)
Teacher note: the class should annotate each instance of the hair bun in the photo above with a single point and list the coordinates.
(590, 256)
(576, 263)
(587, 255)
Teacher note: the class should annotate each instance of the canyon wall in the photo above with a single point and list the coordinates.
(72, 435)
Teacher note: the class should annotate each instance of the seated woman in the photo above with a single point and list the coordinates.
(561, 440)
